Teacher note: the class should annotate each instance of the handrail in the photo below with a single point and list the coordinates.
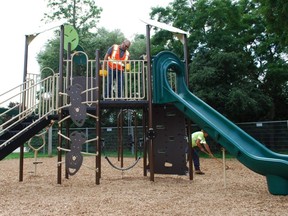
(22, 131)
(33, 96)
(134, 86)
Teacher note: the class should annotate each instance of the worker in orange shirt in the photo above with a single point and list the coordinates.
(117, 55)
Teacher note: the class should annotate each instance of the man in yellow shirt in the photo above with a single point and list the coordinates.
(199, 142)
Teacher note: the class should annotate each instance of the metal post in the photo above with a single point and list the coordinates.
(50, 142)
(224, 166)
(21, 160)
(150, 121)
(60, 99)
(98, 122)
(188, 120)
(186, 59)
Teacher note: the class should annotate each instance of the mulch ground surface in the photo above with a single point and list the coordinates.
(239, 192)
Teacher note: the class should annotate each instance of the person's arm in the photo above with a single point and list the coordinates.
(108, 53)
(105, 61)
(198, 143)
(127, 64)
(208, 149)
(106, 56)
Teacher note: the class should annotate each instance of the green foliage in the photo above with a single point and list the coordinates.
(177, 13)
(49, 57)
(238, 58)
(275, 84)
(236, 65)
(29, 154)
(276, 17)
(138, 47)
(101, 40)
(220, 79)
(82, 14)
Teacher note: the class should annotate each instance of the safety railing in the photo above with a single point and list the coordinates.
(126, 82)
(35, 96)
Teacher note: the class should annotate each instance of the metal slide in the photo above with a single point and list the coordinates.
(245, 148)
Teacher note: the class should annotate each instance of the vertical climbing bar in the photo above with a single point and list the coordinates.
(98, 122)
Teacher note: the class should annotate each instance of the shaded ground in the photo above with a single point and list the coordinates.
(130, 193)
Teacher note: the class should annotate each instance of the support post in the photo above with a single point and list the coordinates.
(60, 99)
(98, 122)
(150, 109)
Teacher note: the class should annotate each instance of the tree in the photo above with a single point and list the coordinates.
(229, 65)
(138, 46)
(101, 40)
(276, 17)
(216, 77)
(49, 57)
(271, 55)
(83, 15)
(178, 14)
(232, 83)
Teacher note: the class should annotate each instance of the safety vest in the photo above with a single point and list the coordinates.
(115, 57)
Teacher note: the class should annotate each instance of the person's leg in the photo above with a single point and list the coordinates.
(109, 83)
(195, 158)
(187, 153)
(196, 162)
(120, 84)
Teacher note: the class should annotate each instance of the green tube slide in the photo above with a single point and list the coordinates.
(245, 148)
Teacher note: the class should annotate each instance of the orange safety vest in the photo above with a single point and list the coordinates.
(114, 58)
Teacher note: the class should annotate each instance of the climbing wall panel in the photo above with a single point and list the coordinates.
(170, 141)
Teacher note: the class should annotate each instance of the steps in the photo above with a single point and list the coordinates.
(21, 133)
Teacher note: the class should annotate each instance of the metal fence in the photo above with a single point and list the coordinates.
(272, 134)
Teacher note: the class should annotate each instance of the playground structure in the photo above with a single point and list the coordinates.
(167, 105)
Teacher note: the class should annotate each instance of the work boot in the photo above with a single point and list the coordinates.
(199, 172)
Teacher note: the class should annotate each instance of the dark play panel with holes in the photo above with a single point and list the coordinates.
(170, 141)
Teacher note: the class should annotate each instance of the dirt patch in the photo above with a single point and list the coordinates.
(131, 193)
